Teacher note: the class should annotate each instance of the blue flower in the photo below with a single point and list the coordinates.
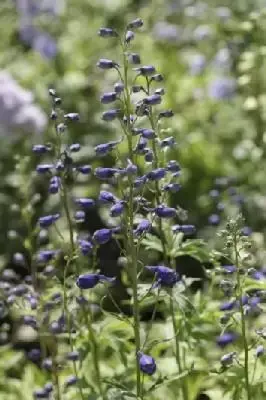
(89, 281)
(228, 305)
(173, 166)
(71, 380)
(40, 148)
(172, 187)
(141, 145)
(131, 168)
(134, 58)
(74, 148)
(214, 219)
(119, 87)
(40, 394)
(146, 70)
(222, 88)
(156, 174)
(72, 116)
(46, 255)
(110, 115)
(43, 168)
(226, 339)
(117, 209)
(152, 100)
(85, 246)
(168, 142)
(136, 23)
(146, 364)
(143, 227)
(107, 32)
(108, 98)
(105, 63)
(259, 351)
(84, 169)
(129, 36)
(102, 236)
(165, 276)
(106, 197)
(85, 202)
(105, 148)
(186, 229)
(73, 355)
(165, 212)
(166, 113)
(48, 220)
(105, 173)
(197, 64)
(148, 133)
(54, 184)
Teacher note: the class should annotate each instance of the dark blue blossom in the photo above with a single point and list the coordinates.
(89, 281)
(129, 36)
(136, 23)
(143, 227)
(186, 229)
(105, 148)
(40, 148)
(168, 142)
(166, 113)
(48, 387)
(131, 168)
(106, 197)
(85, 246)
(152, 100)
(148, 133)
(146, 364)
(40, 394)
(229, 269)
(84, 169)
(214, 219)
(72, 116)
(108, 98)
(105, 173)
(228, 305)
(105, 63)
(226, 339)
(85, 202)
(107, 32)
(102, 236)
(43, 168)
(156, 174)
(172, 187)
(149, 156)
(54, 184)
(48, 220)
(119, 87)
(165, 212)
(110, 115)
(75, 147)
(173, 166)
(117, 209)
(46, 255)
(165, 276)
(259, 351)
(71, 380)
(79, 216)
(145, 70)
(134, 58)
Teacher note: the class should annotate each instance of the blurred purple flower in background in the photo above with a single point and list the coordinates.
(165, 31)
(202, 32)
(222, 88)
(17, 110)
(197, 63)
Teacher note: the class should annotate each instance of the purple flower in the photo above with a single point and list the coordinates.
(131, 168)
(79, 216)
(165, 276)
(214, 219)
(43, 168)
(105, 173)
(129, 36)
(105, 63)
(166, 113)
(54, 184)
(45, 45)
(143, 227)
(168, 142)
(119, 87)
(46, 255)
(259, 351)
(106, 197)
(110, 115)
(156, 174)
(186, 229)
(84, 169)
(117, 209)
(149, 156)
(85, 202)
(109, 97)
(146, 364)
(228, 305)
(148, 133)
(172, 187)
(74, 148)
(85, 246)
(102, 236)
(222, 88)
(40, 149)
(40, 394)
(157, 78)
(134, 58)
(226, 339)
(48, 220)
(202, 32)
(140, 146)
(152, 100)
(73, 355)
(136, 23)
(107, 32)
(197, 64)
(71, 380)
(72, 116)
(89, 281)
(145, 70)
(105, 148)
(173, 166)
(229, 269)
(164, 31)
(165, 212)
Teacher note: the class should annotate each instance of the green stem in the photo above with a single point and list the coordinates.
(130, 224)
(243, 322)
(177, 348)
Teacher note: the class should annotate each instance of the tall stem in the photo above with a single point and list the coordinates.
(243, 322)
(130, 224)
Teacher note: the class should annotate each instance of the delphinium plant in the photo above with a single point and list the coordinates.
(64, 290)
(241, 316)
